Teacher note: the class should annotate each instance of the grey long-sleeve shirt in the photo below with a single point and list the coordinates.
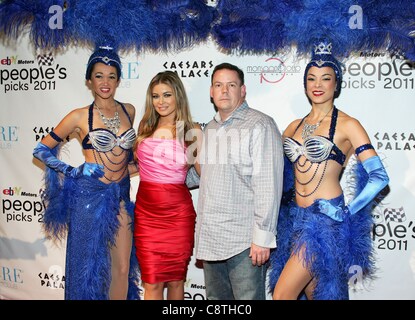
(240, 185)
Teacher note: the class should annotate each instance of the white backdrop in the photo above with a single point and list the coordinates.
(376, 90)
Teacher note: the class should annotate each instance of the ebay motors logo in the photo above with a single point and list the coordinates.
(8, 61)
(17, 191)
(13, 60)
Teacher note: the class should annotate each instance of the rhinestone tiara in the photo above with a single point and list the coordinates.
(322, 48)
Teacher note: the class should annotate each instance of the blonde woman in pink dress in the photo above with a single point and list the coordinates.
(164, 213)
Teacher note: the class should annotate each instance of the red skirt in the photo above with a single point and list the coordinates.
(164, 223)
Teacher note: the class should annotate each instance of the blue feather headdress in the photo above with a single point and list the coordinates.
(248, 26)
(320, 19)
(371, 25)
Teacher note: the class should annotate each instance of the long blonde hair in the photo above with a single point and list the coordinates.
(149, 122)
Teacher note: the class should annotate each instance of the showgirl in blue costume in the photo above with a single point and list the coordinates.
(320, 239)
(91, 203)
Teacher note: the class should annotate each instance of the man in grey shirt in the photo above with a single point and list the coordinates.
(239, 191)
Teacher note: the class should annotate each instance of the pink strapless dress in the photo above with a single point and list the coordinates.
(164, 214)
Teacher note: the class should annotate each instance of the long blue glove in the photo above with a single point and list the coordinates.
(378, 179)
(44, 154)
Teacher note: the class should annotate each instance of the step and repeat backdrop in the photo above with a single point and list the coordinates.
(37, 89)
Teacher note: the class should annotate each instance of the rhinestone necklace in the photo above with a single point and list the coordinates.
(112, 124)
(308, 129)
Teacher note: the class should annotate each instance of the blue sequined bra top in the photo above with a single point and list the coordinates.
(103, 140)
(315, 149)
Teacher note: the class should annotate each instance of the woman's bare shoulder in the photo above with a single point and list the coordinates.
(347, 121)
(289, 131)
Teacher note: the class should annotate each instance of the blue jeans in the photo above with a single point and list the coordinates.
(234, 279)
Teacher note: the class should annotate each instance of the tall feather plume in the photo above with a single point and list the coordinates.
(249, 26)
(122, 24)
(20, 16)
(389, 25)
(181, 24)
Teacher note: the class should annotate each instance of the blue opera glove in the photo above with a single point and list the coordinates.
(44, 154)
(378, 179)
(93, 170)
